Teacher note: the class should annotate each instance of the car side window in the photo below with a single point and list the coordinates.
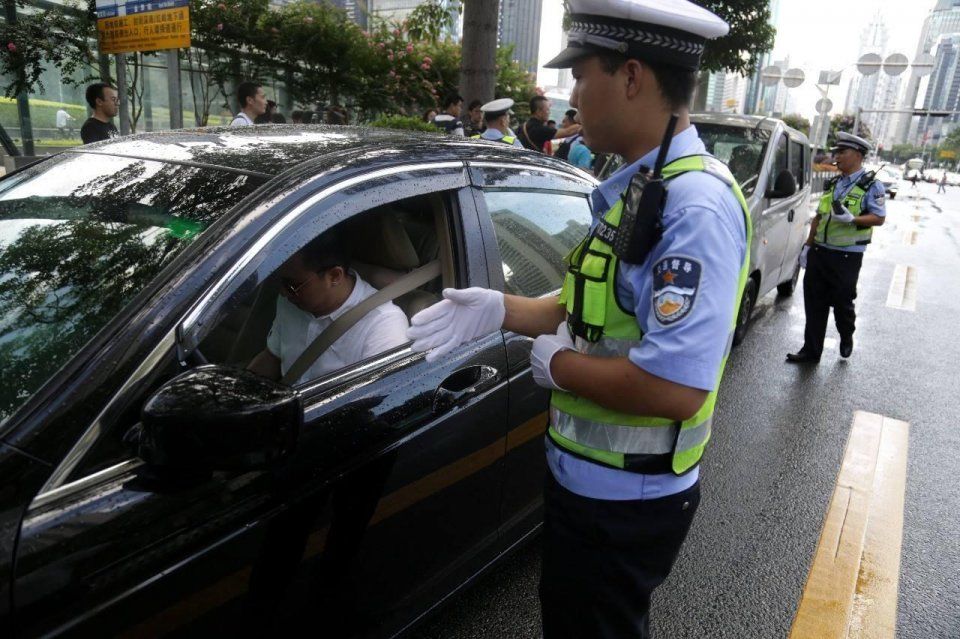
(335, 272)
(383, 245)
(535, 232)
(797, 163)
(780, 159)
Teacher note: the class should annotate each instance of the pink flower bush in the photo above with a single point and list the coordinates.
(219, 26)
(427, 60)
(410, 48)
(11, 47)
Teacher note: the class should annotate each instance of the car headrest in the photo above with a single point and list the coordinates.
(385, 242)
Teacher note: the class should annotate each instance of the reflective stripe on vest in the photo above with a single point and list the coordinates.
(507, 139)
(622, 440)
(830, 231)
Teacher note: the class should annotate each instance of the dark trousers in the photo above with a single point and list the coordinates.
(603, 559)
(830, 280)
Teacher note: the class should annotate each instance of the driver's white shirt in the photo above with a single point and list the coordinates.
(293, 330)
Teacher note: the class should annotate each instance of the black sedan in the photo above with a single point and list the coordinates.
(150, 485)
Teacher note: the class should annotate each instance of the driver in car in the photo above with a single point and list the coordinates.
(317, 286)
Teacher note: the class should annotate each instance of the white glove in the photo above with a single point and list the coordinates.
(544, 348)
(803, 255)
(462, 316)
(847, 216)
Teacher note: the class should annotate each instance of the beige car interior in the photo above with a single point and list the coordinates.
(402, 248)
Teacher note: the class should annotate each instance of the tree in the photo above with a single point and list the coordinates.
(751, 35)
(479, 50)
(429, 20)
(798, 122)
(843, 122)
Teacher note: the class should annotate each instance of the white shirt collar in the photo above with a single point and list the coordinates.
(361, 291)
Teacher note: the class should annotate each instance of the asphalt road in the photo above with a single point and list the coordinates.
(778, 440)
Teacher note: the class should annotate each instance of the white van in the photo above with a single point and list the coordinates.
(772, 163)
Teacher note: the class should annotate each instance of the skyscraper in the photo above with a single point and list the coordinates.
(876, 91)
(943, 19)
(755, 87)
(520, 26)
(943, 89)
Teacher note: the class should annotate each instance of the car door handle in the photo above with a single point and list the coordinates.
(463, 384)
(790, 216)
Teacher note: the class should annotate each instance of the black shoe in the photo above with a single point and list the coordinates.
(846, 347)
(801, 357)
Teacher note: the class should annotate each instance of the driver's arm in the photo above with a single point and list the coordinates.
(266, 364)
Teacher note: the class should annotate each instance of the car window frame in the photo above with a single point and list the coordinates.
(219, 294)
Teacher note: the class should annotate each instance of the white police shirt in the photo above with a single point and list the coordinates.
(242, 119)
(294, 329)
(703, 244)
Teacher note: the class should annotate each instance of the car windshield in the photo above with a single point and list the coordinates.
(80, 236)
(740, 148)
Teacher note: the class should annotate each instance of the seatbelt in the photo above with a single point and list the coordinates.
(403, 285)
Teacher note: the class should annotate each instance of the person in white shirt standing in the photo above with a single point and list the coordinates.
(317, 286)
(252, 101)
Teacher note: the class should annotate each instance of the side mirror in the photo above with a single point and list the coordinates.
(219, 418)
(784, 186)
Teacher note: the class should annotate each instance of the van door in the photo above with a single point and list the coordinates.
(774, 227)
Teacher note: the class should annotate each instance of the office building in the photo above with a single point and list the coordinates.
(520, 26)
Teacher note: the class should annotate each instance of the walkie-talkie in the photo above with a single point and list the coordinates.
(641, 222)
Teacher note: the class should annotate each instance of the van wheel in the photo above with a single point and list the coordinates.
(746, 308)
(893, 196)
(786, 289)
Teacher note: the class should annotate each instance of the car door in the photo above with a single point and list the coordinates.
(390, 497)
(775, 220)
(531, 218)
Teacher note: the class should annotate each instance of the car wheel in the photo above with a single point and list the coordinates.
(893, 196)
(746, 308)
(787, 288)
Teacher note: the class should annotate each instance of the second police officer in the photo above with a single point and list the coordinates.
(851, 205)
(496, 116)
(635, 345)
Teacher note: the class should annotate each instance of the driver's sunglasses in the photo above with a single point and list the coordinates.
(291, 287)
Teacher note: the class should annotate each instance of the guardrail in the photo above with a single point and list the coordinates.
(818, 179)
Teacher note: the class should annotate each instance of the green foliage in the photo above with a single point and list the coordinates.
(428, 21)
(322, 56)
(798, 122)
(404, 123)
(840, 122)
(43, 114)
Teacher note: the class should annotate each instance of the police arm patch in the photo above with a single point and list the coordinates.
(676, 280)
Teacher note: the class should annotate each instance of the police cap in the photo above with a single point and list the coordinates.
(496, 108)
(850, 141)
(671, 32)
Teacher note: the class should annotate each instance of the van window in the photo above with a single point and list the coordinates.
(780, 159)
(798, 163)
(740, 148)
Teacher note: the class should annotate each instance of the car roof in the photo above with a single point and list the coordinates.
(272, 149)
(744, 121)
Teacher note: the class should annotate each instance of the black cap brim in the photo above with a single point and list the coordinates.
(570, 56)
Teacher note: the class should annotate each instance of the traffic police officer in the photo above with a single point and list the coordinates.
(496, 115)
(851, 205)
(633, 349)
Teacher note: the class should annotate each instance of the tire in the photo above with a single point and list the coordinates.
(893, 196)
(786, 289)
(746, 308)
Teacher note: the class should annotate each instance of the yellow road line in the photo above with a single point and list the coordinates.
(851, 591)
(903, 288)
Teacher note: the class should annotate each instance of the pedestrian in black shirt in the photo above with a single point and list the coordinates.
(474, 124)
(535, 133)
(105, 102)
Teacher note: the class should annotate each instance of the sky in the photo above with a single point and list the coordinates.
(816, 34)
